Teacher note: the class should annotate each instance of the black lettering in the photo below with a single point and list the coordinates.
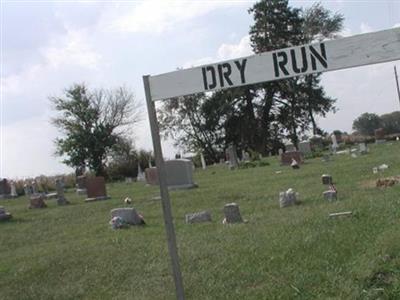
(280, 64)
(227, 73)
(214, 79)
(205, 78)
(321, 57)
(241, 68)
(221, 77)
(294, 61)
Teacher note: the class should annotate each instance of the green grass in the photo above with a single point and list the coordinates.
(293, 253)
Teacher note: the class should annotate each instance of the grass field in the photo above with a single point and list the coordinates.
(293, 253)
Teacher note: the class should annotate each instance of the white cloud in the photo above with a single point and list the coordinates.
(35, 136)
(160, 16)
(224, 52)
(73, 48)
(365, 28)
(229, 51)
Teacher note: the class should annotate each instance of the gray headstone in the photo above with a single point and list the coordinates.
(61, 200)
(305, 147)
(287, 198)
(326, 179)
(363, 148)
(199, 217)
(179, 174)
(128, 214)
(232, 213)
(289, 147)
(4, 215)
(280, 151)
(233, 159)
(330, 195)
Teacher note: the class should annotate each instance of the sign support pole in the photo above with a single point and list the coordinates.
(165, 201)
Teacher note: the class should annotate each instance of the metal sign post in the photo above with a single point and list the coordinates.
(358, 50)
(166, 204)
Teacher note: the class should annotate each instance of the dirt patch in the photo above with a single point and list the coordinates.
(380, 279)
(387, 182)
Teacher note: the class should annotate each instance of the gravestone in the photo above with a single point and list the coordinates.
(287, 157)
(4, 215)
(305, 147)
(37, 201)
(81, 185)
(203, 161)
(179, 174)
(129, 215)
(96, 189)
(334, 143)
(330, 195)
(151, 176)
(287, 198)
(61, 200)
(326, 179)
(380, 136)
(34, 186)
(326, 158)
(5, 189)
(199, 217)
(289, 147)
(246, 156)
(232, 157)
(27, 189)
(140, 175)
(295, 164)
(363, 148)
(13, 190)
(232, 214)
(130, 179)
(280, 152)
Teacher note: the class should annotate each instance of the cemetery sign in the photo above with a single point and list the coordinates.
(358, 50)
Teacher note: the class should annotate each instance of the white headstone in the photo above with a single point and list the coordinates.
(334, 143)
(203, 161)
(129, 215)
(140, 176)
(13, 190)
(287, 198)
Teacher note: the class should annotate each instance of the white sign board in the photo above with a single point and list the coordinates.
(358, 50)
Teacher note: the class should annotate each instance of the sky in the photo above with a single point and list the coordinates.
(46, 46)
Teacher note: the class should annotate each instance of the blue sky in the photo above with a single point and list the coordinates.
(48, 45)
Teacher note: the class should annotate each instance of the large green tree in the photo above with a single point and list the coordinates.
(92, 123)
(367, 123)
(257, 117)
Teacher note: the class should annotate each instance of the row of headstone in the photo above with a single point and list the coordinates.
(231, 215)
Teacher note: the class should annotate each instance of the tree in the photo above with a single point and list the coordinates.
(92, 123)
(391, 122)
(256, 117)
(367, 123)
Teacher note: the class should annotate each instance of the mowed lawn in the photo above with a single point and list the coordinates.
(292, 253)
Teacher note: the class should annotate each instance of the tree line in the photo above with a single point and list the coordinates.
(96, 124)
(367, 123)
